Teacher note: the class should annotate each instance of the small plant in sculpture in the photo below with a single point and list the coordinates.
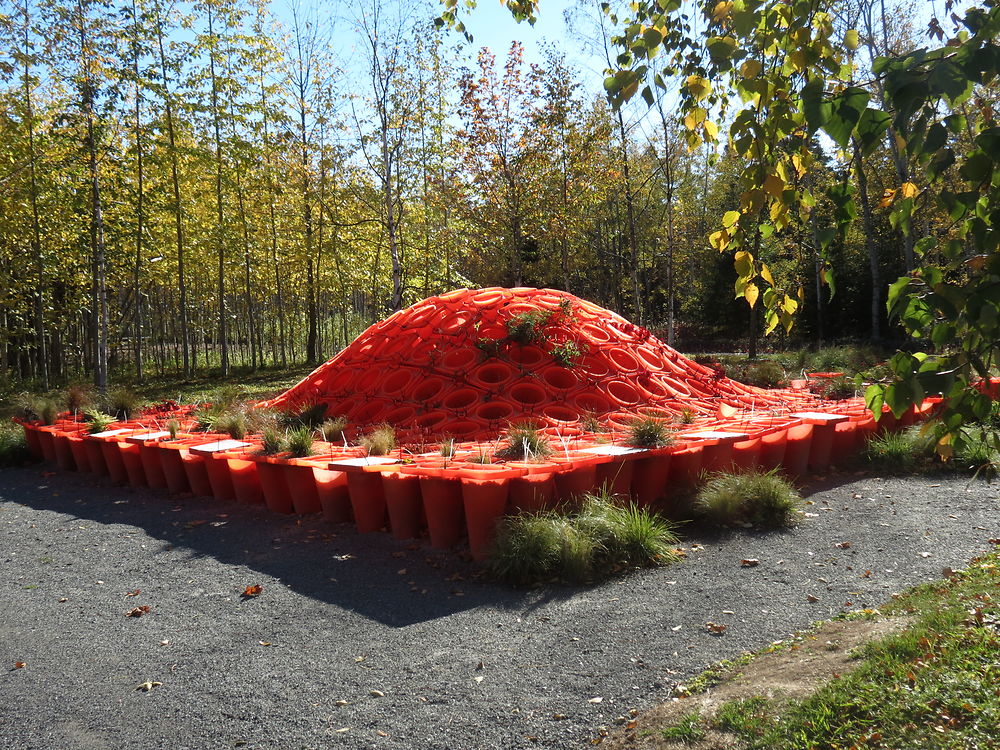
(647, 432)
(332, 430)
(379, 442)
(524, 443)
(99, 421)
(300, 441)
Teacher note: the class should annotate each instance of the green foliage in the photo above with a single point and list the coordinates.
(577, 546)
(647, 432)
(688, 729)
(528, 327)
(838, 388)
(447, 448)
(232, 422)
(273, 441)
(173, 427)
(898, 452)
(759, 498)
(77, 398)
(764, 373)
(747, 717)
(46, 410)
(380, 441)
(524, 443)
(590, 423)
(566, 353)
(489, 347)
(687, 416)
(99, 421)
(300, 441)
(13, 446)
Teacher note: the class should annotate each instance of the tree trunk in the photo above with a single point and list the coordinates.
(220, 227)
(866, 221)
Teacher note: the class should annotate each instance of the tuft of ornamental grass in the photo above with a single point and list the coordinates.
(898, 452)
(687, 416)
(300, 441)
(332, 430)
(379, 442)
(233, 422)
(764, 374)
(524, 443)
(77, 398)
(172, 426)
(447, 448)
(311, 415)
(838, 388)
(647, 432)
(593, 542)
(123, 403)
(759, 498)
(47, 410)
(13, 446)
(272, 441)
(590, 423)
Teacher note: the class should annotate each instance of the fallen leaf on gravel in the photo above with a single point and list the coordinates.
(359, 659)
(63, 599)
(925, 554)
(558, 717)
(750, 563)
(479, 678)
(19, 665)
(193, 524)
(843, 545)
(341, 703)
(265, 643)
(994, 541)
(866, 574)
(133, 593)
(811, 598)
(715, 628)
(631, 724)
(164, 642)
(377, 694)
(399, 554)
(595, 700)
(138, 611)
(149, 685)
(342, 730)
(676, 628)
(380, 733)
(251, 591)
(401, 572)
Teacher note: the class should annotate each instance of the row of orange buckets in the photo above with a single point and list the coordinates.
(451, 497)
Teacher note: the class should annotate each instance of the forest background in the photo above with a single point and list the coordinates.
(188, 187)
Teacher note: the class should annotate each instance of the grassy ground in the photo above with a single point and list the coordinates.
(934, 684)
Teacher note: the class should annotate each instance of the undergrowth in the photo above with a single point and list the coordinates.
(759, 498)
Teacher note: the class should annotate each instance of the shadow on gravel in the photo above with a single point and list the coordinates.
(396, 583)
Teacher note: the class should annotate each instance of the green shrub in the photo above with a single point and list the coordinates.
(838, 388)
(311, 415)
(381, 441)
(524, 443)
(578, 551)
(47, 410)
(527, 548)
(226, 396)
(647, 432)
(627, 535)
(759, 498)
(300, 441)
(764, 374)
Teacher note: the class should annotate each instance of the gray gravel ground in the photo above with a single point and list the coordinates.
(374, 643)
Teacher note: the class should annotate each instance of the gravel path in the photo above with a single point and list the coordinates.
(366, 642)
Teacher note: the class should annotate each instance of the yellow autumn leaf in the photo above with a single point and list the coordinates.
(765, 273)
(722, 11)
(751, 293)
(798, 60)
(851, 39)
(909, 190)
(751, 69)
(719, 240)
(774, 185)
(711, 130)
(887, 198)
(698, 87)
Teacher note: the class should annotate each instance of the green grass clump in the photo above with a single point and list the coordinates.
(272, 441)
(300, 441)
(172, 426)
(838, 388)
(899, 452)
(123, 403)
(524, 443)
(77, 398)
(760, 498)
(764, 374)
(648, 432)
(37, 408)
(233, 422)
(311, 415)
(332, 430)
(747, 717)
(13, 446)
(578, 546)
(379, 442)
(688, 729)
